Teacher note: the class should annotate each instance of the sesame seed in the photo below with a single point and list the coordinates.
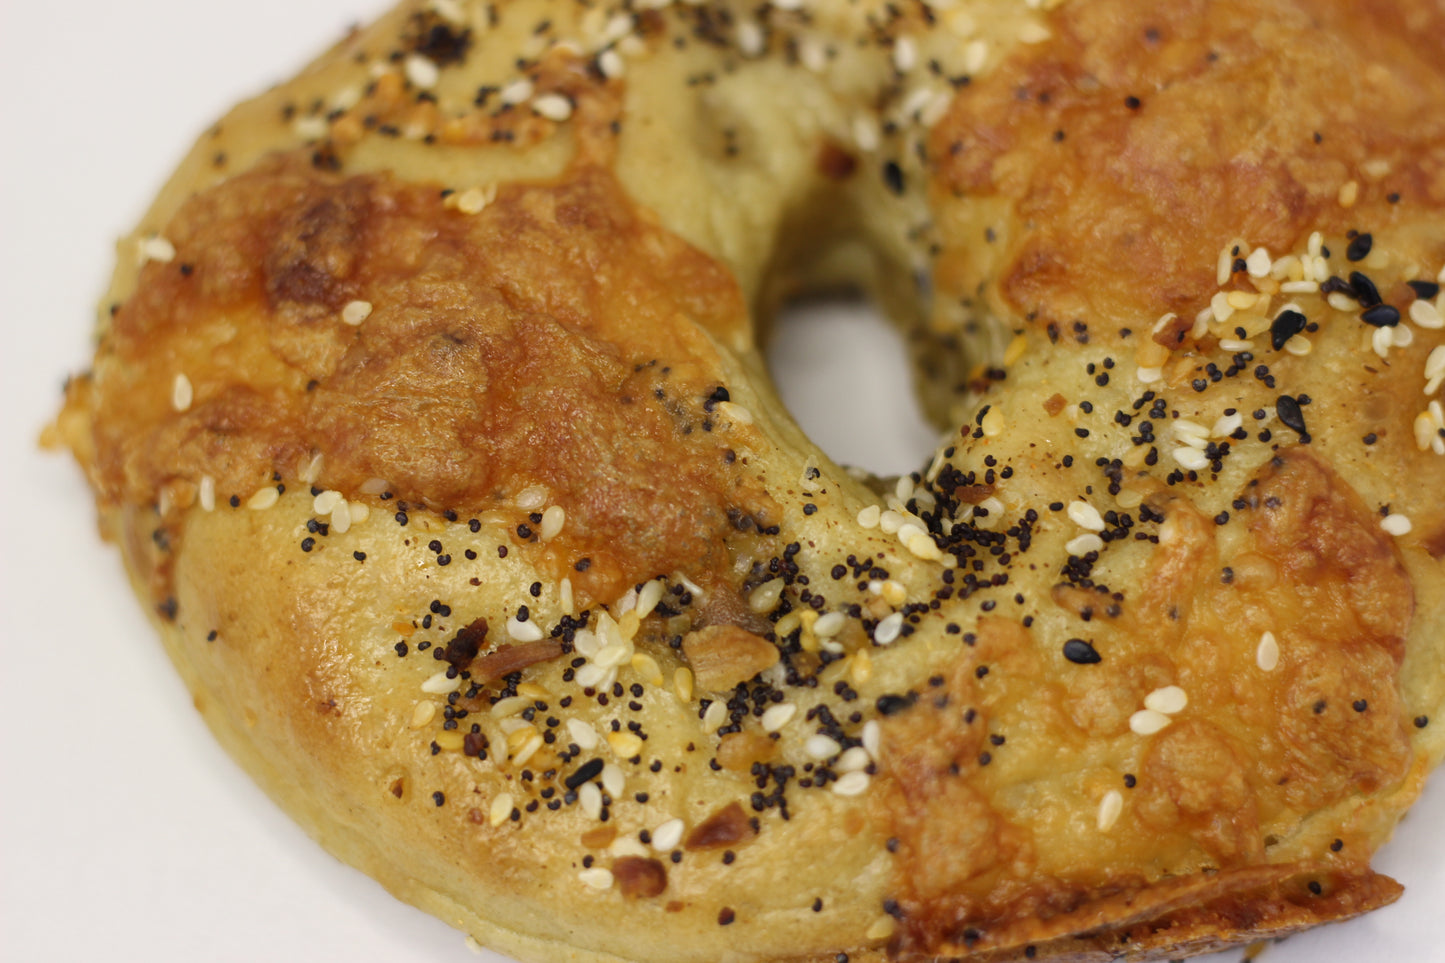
(1146, 722)
(668, 835)
(263, 498)
(500, 809)
(356, 312)
(554, 107)
(765, 597)
(439, 683)
(1109, 809)
(1086, 516)
(888, 629)
(777, 716)
(421, 72)
(1167, 700)
(851, 783)
(1396, 524)
(1084, 544)
(527, 631)
(552, 521)
(181, 393)
(1266, 656)
(155, 248)
(596, 878)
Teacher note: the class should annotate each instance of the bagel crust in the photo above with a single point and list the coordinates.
(432, 423)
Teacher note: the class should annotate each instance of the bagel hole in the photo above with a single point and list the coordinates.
(844, 374)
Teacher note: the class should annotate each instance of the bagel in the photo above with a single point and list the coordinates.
(430, 419)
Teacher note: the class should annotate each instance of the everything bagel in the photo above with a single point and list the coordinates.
(433, 429)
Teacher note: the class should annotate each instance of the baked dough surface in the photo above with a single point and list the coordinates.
(433, 428)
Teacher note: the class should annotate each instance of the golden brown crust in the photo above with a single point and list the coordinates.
(434, 432)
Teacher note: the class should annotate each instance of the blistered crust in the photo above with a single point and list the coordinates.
(433, 431)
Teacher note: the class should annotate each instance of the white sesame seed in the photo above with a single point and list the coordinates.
(516, 92)
(853, 760)
(596, 878)
(610, 63)
(181, 393)
(509, 706)
(614, 780)
(715, 715)
(1401, 336)
(872, 736)
(1258, 263)
(582, 734)
(1168, 700)
(889, 629)
(922, 545)
(787, 4)
(263, 498)
(155, 248)
(207, 493)
(625, 744)
(1299, 287)
(501, 809)
(423, 713)
(552, 521)
(372, 486)
(1424, 430)
(668, 835)
(993, 423)
(865, 133)
(1146, 722)
(1382, 340)
(589, 797)
(564, 595)
(1435, 367)
(323, 503)
(532, 497)
(1266, 656)
(527, 631)
(975, 55)
(1086, 516)
(1149, 376)
(765, 597)
(820, 746)
(1396, 524)
(829, 625)
(1426, 315)
(1084, 544)
(905, 54)
(341, 517)
(778, 715)
(611, 655)
(750, 38)
(438, 683)
(1227, 425)
(554, 107)
(648, 598)
(1299, 346)
(1033, 32)
(1109, 809)
(813, 53)
(356, 312)
(1185, 430)
(421, 72)
(1191, 458)
(851, 783)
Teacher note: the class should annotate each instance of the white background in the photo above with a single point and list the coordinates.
(125, 833)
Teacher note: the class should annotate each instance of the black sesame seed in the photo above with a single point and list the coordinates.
(1364, 290)
(1289, 413)
(1381, 316)
(439, 797)
(893, 177)
(1359, 248)
(1424, 289)
(1284, 327)
(1080, 652)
